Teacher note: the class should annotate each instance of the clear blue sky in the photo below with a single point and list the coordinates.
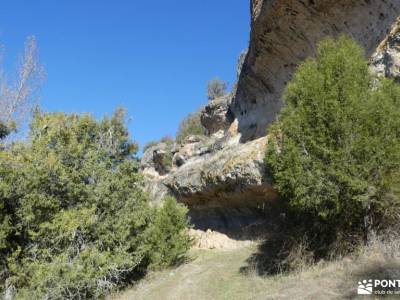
(152, 57)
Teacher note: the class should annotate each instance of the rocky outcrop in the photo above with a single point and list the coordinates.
(386, 60)
(192, 146)
(157, 160)
(283, 34)
(210, 170)
(224, 183)
(222, 177)
(217, 115)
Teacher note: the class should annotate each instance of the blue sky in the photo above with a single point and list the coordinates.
(152, 57)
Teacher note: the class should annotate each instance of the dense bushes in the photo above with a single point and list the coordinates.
(75, 223)
(190, 125)
(334, 153)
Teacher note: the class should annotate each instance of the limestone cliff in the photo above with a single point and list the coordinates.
(283, 34)
(222, 177)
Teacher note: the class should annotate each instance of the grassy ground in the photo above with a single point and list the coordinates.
(215, 274)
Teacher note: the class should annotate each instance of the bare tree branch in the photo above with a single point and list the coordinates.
(18, 95)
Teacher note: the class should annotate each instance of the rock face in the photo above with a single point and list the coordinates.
(222, 177)
(386, 60)
(208, 168)
(284, 33)
(155, 160)
(217, 115)
(222, 182)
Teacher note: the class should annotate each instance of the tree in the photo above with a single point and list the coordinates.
(17, 96)
(216, 88)
(75, 222)
(334, 153)
(167, 240)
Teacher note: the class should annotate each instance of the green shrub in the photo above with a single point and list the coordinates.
(169, 244)
(216, 88)
(165, 139)
(334, 153)
(190, 125)
(75, 221)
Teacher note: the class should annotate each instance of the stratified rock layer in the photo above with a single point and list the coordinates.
(226, 177)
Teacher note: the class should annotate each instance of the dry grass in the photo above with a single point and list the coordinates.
(215, 274)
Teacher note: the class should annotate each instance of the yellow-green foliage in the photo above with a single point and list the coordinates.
(75, 221)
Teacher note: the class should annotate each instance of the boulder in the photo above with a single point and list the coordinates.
(216, 115)
(157, 160)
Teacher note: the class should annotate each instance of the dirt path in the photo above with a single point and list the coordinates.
(215, 275)
(209, 275)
